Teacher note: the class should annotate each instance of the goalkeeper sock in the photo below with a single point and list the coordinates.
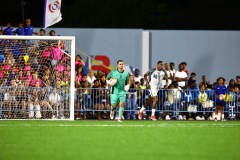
(112, 109)
(121, 110)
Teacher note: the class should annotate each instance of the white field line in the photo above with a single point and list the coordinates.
(166, 125)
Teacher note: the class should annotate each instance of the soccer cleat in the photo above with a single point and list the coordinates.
(111, 114)
(153, 118)
(215, 119)
(167, 117)
(120, 120)
(198, 118)
(224, 119)
(180, 117)
(139, 115)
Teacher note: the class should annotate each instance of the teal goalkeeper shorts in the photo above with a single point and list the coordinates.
(116, 98)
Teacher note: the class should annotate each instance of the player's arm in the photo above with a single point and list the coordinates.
(127, 82)
(109, 76)
(165, 78)
(178, 79)
(215, 92)
(146, 79)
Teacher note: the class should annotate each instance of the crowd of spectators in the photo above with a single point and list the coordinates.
(34, 75)
(183, 91)
(35, 80)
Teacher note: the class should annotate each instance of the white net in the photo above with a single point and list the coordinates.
(35, 76)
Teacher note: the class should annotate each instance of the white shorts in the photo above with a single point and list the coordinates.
(153, 91)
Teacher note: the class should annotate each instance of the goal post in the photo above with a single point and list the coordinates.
(37, 77)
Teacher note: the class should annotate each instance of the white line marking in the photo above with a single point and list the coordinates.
(169, 125)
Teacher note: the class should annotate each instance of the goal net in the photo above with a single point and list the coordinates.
(37, 77)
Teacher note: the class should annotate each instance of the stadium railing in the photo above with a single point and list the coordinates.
(39, 103)
(189, 103)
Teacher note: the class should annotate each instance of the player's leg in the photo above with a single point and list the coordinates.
(148, 101)
(107, 107)
(122, 99)
(216, 112)
(222, 113)
(155, 101)
(114, 103)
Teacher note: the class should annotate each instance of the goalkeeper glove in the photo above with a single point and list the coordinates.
(127, 87)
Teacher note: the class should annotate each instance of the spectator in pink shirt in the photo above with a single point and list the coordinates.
(79, 61)
(66, 58)
(79, 73)
(68, 69)
(35, 79)
(15, 67)
(20, 74)
(46, 53)
(27, 67)
(29, 76)
(1, 72)
(60, 67)
(57, 54)
(7, 66)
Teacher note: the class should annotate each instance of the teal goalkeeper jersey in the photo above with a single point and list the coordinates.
(122, 80)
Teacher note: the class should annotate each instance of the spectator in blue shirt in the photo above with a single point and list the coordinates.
(29, 29)
(20, 30)
(220, 92)
(8, 30)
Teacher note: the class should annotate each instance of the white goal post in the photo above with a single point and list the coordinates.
(44, 63)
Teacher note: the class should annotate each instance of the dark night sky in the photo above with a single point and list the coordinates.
(148, 14)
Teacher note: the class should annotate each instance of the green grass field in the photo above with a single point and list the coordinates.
(130, 140)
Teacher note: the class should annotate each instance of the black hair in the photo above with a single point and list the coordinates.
(42, 30)
(184, 63)
(51, 32)
(193, 73)
(119, 61)
(136, 82)
(192, 81)
(96, 80)
(159, 62)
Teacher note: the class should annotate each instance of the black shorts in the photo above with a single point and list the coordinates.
(221, 104)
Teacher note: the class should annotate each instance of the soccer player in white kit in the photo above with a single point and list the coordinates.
(156, 76)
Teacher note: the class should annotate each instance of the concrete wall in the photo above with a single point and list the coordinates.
(210, 53)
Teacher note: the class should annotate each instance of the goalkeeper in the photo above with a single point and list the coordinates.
(119, 82)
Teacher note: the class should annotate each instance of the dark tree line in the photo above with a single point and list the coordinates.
(147, 14)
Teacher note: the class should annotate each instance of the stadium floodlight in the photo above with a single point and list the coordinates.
(37, 77)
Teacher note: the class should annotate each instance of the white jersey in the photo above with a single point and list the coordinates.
(169, 80)
(137, 79)
(156, 77)
(181, 74)
(54, 98)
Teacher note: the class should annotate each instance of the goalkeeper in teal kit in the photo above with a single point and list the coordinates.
(119, 82)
